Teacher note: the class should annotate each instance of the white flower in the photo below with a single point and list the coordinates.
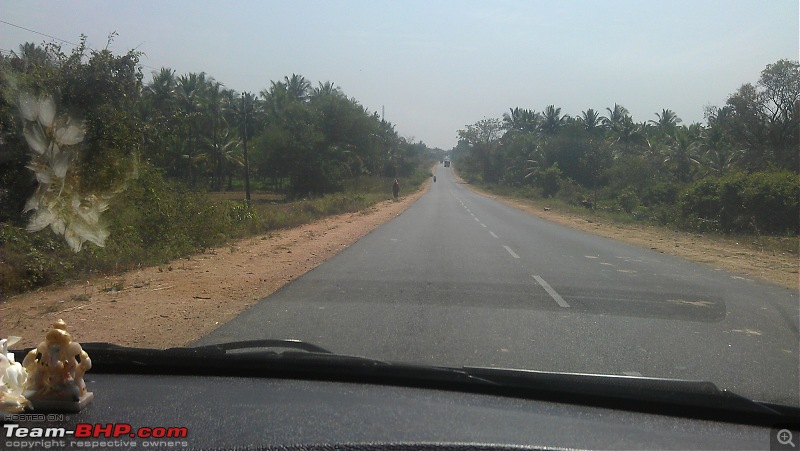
(57, 202)
(69, 134)
(29, 107)
(47, 111)
(36, 138)
(12, 379)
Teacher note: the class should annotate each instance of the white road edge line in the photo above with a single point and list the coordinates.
(559, 300)
(513, 254)
(492, 234)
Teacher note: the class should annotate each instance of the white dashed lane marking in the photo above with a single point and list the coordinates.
(559, 300)
(513, 254)
(492, 234)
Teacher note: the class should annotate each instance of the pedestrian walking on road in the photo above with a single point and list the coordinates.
(395, 189)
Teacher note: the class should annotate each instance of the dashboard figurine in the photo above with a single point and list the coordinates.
(55, 373)
(12, 379)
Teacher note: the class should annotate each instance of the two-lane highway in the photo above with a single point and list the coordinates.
(461, 279)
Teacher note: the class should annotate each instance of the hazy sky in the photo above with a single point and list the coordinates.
(439, 65)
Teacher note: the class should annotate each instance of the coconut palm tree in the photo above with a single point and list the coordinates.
(590, 120)
(213, 102)
(161, 120)
(616, 116)
(325, 89)
(297, 87)
(681, 154)
(189, 95)
(667, 121)
(552, 121)
(623, 134)
(162, 88)
(521, 120)
(721, 160)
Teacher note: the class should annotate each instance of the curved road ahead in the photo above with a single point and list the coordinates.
(461, 279)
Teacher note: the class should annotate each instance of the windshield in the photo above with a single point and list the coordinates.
(587, 187)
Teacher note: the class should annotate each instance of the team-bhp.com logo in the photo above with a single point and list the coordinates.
(97, 430)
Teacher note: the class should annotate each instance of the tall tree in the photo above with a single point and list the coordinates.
(190, 92)
(520, 120)
(666, 122)
(766, 120)
(590, 120)
(552, 121)
(483, 137)
(681, 154)
(297, 87)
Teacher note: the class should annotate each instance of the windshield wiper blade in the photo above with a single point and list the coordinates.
(260, 359)
(679, 393)
(251, 345)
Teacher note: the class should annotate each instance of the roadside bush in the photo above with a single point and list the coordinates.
(31, 260)
(551, 181)
(628, 200)
(155, 220)
(762, 202)
(660, 193)
(571, 192)
(771, 202)
(663, 214)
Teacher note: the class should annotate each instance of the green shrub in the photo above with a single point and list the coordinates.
(30, 260)
(551, 181)
(762, 202)
(571, 192)
(628, 200)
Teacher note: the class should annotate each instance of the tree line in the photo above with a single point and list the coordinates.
(660, 169)
(302, 139)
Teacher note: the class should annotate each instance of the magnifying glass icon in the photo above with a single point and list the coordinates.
(785, 437)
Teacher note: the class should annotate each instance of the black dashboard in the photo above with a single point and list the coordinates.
(278, 413)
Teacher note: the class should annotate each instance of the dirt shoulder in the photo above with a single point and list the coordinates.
(177, 303)
(745, 259)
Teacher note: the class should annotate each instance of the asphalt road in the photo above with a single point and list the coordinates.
(461, 279)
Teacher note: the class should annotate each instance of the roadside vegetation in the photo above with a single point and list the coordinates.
(735, 175)
(102, 171)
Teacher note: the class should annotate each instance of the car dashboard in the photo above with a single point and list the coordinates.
(284, 413)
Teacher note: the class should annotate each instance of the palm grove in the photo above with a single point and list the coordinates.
(736, 173)
(93, 154)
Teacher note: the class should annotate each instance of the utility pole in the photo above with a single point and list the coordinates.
(246, 163)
